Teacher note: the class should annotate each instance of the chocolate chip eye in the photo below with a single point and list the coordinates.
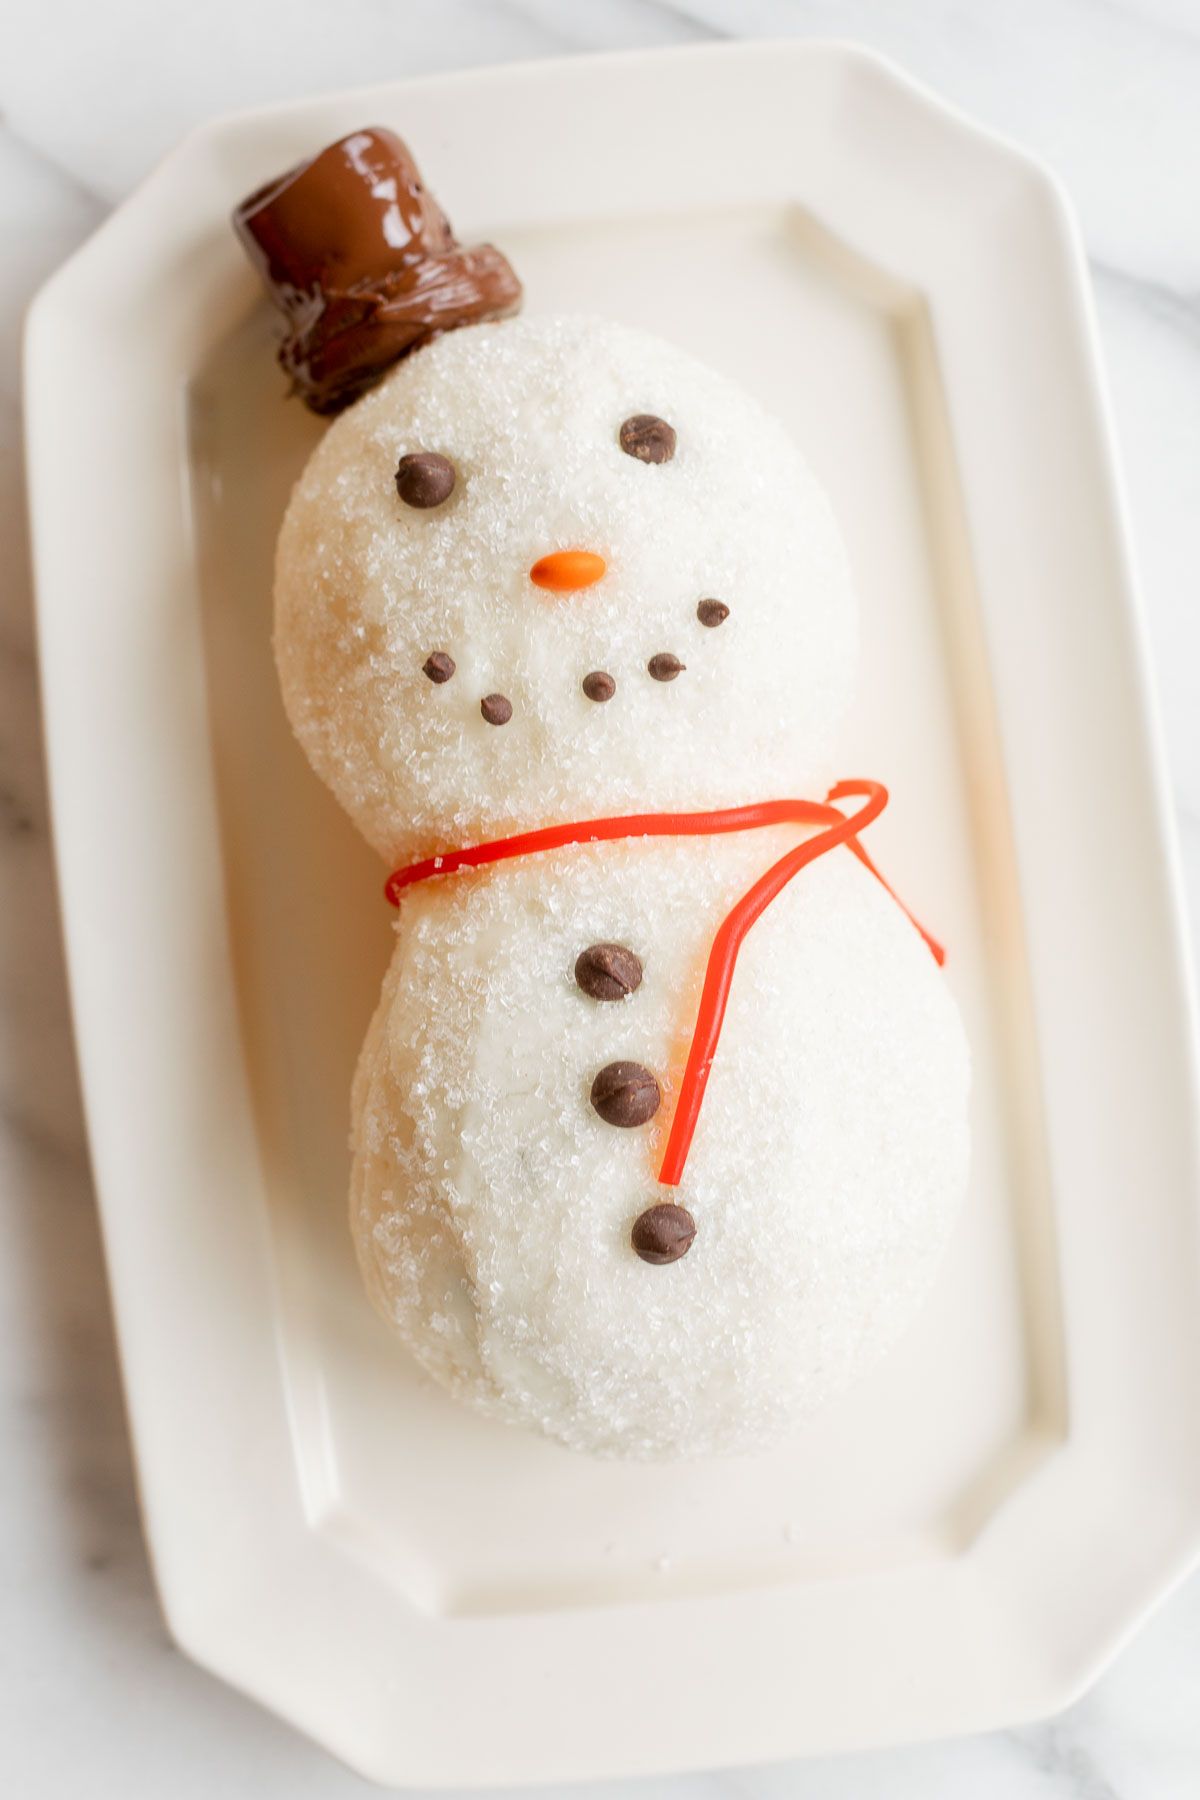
(648, 437)
(439, 667)
(424, 479)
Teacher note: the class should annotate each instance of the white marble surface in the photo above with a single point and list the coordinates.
(93, 1699)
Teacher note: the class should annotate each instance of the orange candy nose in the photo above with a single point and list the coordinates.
(563, 571)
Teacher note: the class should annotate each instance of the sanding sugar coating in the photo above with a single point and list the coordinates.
(492, 1206)
(529, 412)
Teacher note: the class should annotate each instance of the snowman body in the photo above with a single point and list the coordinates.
(491, 1203)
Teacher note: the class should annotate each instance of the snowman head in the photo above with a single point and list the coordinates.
(453, 673)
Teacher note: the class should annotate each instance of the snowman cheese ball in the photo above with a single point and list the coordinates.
(659, 1129)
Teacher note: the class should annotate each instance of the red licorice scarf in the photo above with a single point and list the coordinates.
(840, 828)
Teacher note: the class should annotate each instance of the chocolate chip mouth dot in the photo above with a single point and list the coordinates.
(665, 666)
(496, 709)
(712, 612)
(439, 667)
(626, 1094)
(424, 479)
(648, 437)
(608, 971)
(662, 1234)
(599, 685)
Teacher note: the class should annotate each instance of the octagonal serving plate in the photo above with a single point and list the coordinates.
(965, 1539)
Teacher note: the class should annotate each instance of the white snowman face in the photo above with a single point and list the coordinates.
(444, 695)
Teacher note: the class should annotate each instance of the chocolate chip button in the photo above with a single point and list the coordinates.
(662, 1234)
(608, 971)
(712, 612)
(599, 685)
(424, 479)
(648, 438)
(439, 667)
(625, 1094)
(665, 667)
(496, 709)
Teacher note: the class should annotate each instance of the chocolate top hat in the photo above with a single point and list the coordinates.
(363, 264)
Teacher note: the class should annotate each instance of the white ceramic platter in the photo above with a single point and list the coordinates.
(965, 1539)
